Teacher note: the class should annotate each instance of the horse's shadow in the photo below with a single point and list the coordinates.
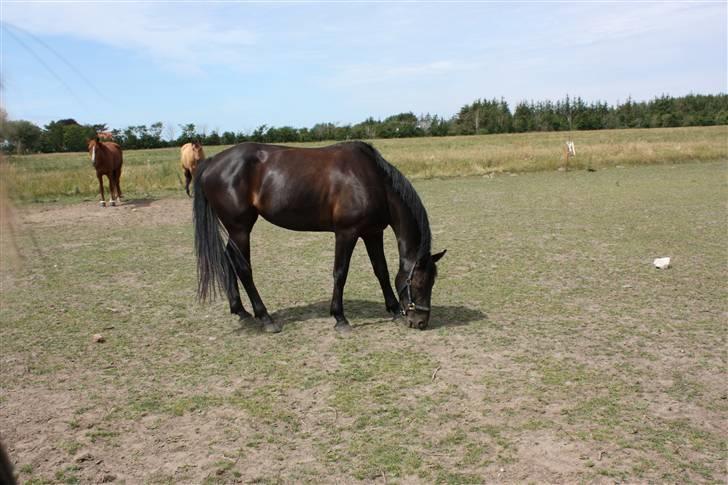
(374, 313)
(139, 203)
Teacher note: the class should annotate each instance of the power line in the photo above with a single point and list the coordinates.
(40, 60)
(62, 59)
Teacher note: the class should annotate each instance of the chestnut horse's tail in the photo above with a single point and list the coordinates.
(212, 265)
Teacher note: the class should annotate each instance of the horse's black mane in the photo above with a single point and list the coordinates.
(407, 193)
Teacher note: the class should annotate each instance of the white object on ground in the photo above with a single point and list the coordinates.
(661, 263)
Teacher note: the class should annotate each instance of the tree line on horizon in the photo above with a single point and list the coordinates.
(482, 116)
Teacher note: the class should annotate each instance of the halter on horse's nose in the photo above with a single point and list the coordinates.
(417, 316)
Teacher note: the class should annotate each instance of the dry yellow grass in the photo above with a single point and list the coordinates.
(452, 156)
(54, 176)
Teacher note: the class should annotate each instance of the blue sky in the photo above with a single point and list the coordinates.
(235, 66)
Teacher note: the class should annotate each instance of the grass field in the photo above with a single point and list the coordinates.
(69, 176)
(558, 353)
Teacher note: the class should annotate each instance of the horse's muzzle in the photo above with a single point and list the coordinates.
(418, 320)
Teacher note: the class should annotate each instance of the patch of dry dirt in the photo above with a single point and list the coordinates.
(143, 212)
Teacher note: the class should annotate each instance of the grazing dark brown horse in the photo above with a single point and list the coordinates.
(348, 189)
(106, 158)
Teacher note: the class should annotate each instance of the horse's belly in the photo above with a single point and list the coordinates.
(297, 220)
(331, 216)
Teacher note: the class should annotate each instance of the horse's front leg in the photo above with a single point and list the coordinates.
(241, 261)
(101, 189)
(112, 189)
(345, 243)
(117, 175)
(117, 186)
(375, 249)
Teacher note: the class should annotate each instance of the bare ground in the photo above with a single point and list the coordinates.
(557, 353)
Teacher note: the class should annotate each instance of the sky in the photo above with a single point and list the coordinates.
(233, 66)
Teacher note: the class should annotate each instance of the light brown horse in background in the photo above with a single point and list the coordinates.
(106, 158)
(190, 154)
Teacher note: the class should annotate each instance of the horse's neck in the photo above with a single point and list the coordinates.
(407, 233)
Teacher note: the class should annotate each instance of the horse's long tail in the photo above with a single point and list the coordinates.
(212, 264)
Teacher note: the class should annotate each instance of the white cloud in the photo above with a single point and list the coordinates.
(181, 39)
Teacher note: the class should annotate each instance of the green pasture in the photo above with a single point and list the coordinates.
(557, 352)
(70, 176)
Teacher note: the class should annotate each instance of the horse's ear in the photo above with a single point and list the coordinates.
(97, 139)
(437, 257)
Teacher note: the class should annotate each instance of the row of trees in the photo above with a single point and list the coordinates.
(482, 116)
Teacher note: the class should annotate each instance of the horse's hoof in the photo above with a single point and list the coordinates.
(243, 315)
(272, 327)
(102, 204)
(343, 328)
(112, 203)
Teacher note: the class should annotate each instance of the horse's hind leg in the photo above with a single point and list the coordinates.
(241, 261)
(231, 286)
(188, 179)
(375, 249)
(101, 189)
(345, 244)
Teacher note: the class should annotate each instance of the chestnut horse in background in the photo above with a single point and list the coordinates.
(190, 154)
(106, 158)
(348, 189)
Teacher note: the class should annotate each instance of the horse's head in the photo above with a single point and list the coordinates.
(92, 146)
(197, 150)
(415, 290)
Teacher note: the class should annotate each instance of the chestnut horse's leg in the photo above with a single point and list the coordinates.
(375, 249)
(345, 243)
(241, 238)
(101, 189)
(118, 183)
(231, 287)
(188, 179)
(117, 187)
(112, 188)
